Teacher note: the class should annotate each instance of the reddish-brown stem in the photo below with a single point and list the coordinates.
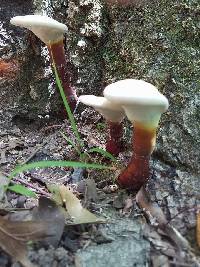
(114, 144)
(57, 54)
(136, 173)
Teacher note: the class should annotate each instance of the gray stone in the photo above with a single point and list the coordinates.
(155, 42)
(127, 249)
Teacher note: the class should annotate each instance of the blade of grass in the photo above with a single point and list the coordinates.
(49, 163)
(20, 189)
(102, 152)
(68, 110)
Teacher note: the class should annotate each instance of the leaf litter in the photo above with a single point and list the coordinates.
(15, 235)
(46, 225)
(64, 195)
(166, 239)
(158, 241)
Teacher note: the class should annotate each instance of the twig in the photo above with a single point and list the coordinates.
(40, 191)
(155, 216)
(34, 152)
(19, 180)
(185, 209)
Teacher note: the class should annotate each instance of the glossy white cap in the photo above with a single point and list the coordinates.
(45, 28)
(141, 101)
(111, 111)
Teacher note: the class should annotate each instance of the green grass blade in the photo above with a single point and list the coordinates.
(49, 163)
(68, 110)
(102, 152)
(22, 190)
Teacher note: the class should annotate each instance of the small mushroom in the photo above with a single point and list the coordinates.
(113, 114)
(143, 105)
(51, 32)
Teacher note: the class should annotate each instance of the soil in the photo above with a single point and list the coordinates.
(127, 230)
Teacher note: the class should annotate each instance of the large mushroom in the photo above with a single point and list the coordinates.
(143, 105)
(51, 32)
(113, 114)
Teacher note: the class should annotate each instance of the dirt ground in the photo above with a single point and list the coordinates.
(129, 237)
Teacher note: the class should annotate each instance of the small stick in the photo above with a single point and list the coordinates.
(34, 152)
(40, 191)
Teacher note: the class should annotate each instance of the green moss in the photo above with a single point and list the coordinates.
(154, 42)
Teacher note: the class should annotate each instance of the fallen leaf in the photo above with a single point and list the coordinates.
(76, 211)
(18, 214)
(15, 234)
(156, 217)
(158, 243)
(48, 211)
(54, 189)
(153, 212)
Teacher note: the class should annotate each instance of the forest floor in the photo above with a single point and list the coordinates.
(136, 231)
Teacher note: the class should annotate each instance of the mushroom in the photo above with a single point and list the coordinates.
(143, 105)
(113, 114)
(51, 32)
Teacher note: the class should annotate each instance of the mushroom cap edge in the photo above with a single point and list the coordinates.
(135, 92)
(111, 111)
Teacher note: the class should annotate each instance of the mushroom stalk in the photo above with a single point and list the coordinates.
(137, 172)
(114, 143)
(113, 114)
(51, 32)
(143, 105)
(57, 54)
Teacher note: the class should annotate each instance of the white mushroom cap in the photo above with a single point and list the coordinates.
(112, 112)
(45, 28)
(141, 101)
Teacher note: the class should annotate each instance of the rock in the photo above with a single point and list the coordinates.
(132, 249)
(155, 42)
(26, 86)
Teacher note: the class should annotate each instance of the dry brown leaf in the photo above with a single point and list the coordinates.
(76, 211)
(156, 217)
(152, 211)
(48, 211)
(54, 189)
(198, 229)
(14, 235)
